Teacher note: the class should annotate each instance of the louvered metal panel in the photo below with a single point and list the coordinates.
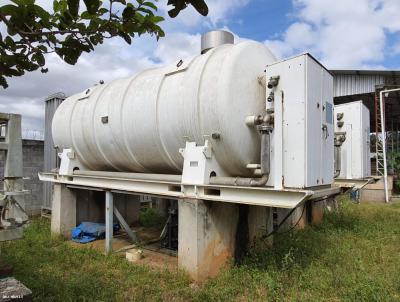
(51, 160)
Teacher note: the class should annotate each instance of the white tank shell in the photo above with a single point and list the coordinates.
(138, 124)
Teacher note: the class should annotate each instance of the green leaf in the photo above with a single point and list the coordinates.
(87, 16)
(157, 19)
(145, 10)
(3, 82)
(9, 10)
(173, 12)
(56, 6)
(42, 14)
(11, 31)
(39, 58)
(92, 6)
(15, 72)
(200, 6)
(73, 7)
(128, 13)
(126, 37)
(150, 4)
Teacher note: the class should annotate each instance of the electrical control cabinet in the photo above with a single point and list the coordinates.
(302, 138)
(355, 151)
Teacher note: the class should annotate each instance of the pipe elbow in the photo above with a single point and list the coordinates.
(259, 182)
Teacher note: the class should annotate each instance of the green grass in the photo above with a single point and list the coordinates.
(354, 255)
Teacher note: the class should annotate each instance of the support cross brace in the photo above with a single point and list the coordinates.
(110, 211)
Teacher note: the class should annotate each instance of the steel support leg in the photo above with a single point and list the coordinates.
(109, 221)
(126, 227)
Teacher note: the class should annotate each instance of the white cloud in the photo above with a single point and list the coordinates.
(177, 46)
(342, 33)
(219, 10)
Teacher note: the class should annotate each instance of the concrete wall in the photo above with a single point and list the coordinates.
(375, 192)
(33, 154)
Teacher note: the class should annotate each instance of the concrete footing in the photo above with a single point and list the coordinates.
(211, 233)
(63, 214)
(206, 235)
(376, 192)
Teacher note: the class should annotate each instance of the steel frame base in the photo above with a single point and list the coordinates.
(260, 196)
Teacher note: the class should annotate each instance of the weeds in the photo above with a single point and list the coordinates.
(352, 256)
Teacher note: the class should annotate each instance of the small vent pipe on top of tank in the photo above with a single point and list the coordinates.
(264, 126)
(215, 38)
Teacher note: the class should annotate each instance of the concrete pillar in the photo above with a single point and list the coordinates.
(317, 211)
(206, 235)
(260, 222)
(298, 216)
(63, 216)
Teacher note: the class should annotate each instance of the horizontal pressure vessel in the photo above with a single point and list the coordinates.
(138, 124)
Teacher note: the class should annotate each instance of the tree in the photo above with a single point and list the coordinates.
(74, 27)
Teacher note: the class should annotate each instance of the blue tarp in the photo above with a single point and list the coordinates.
(90, 231)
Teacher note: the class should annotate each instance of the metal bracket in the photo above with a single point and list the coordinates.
(69, 162)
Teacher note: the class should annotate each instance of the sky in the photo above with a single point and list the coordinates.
(342, 34)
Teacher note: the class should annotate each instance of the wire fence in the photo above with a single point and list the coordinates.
(37, 135)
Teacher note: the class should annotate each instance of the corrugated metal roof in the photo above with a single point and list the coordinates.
(353, 82)
(392, 73)
(350, 84)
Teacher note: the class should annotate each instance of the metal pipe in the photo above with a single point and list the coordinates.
(339, 138)
(139, 176)
(385, 181)
(251, 182)
(338, 162)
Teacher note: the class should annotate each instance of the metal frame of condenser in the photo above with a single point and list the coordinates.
(381, 100)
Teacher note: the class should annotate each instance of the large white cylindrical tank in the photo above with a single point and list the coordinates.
(138, 124)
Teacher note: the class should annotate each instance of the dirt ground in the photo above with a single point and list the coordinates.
(153, 255)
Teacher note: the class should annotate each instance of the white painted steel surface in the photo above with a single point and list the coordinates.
(138, 124)
(355, 150)
(301, 150)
